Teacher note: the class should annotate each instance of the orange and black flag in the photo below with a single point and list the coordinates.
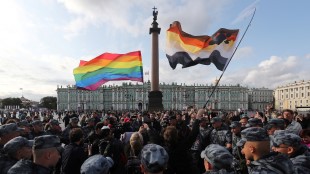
(188, 50)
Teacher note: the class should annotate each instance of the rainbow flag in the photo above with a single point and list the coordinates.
(188, 50)
(108, 67)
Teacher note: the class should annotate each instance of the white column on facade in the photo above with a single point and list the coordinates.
(68, 104)
(229, 102)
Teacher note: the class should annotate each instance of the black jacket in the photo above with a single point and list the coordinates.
(180, 160)
(73, 157)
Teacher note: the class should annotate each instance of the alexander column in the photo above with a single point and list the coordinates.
(155, 96)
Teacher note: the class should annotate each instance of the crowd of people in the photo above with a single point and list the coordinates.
(169, 142)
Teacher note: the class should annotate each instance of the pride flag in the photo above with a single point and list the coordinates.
(108, 67)
(188, 50)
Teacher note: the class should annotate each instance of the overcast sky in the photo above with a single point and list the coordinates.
(42, 41)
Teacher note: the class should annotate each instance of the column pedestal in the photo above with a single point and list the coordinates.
(155, 101)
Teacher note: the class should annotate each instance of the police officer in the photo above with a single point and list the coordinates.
(200, 143)
(37, 128)
(254, 122)
(14, 150)
(290, 144)
(97, 164)
(220, 134)
(235, 127)
(24, 124)
(8, 132)
(274, 124)
(74, 121)
(255, 145)
(46, 152)
(53, 128)
(217, 159)
(154, 159)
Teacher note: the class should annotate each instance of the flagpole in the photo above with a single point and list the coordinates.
(217, 82)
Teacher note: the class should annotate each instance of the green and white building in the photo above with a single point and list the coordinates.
(259, 98)
(130, 96)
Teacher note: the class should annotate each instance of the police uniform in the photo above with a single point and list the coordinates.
(154, 158)
(51, 131)
(235, 138)
(65, 133)
(277, 123)
(219, 157)
(254, 122)
(8, 128)
(40, 133)
(97, 164)
(221, 135)
(273, 163)
(27, 166)
(239, 160)
(24, 124)
(200, 144)
(8, 159)
(300, 156)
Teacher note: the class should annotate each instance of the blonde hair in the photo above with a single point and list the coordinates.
(136, 142)
(135, 138)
